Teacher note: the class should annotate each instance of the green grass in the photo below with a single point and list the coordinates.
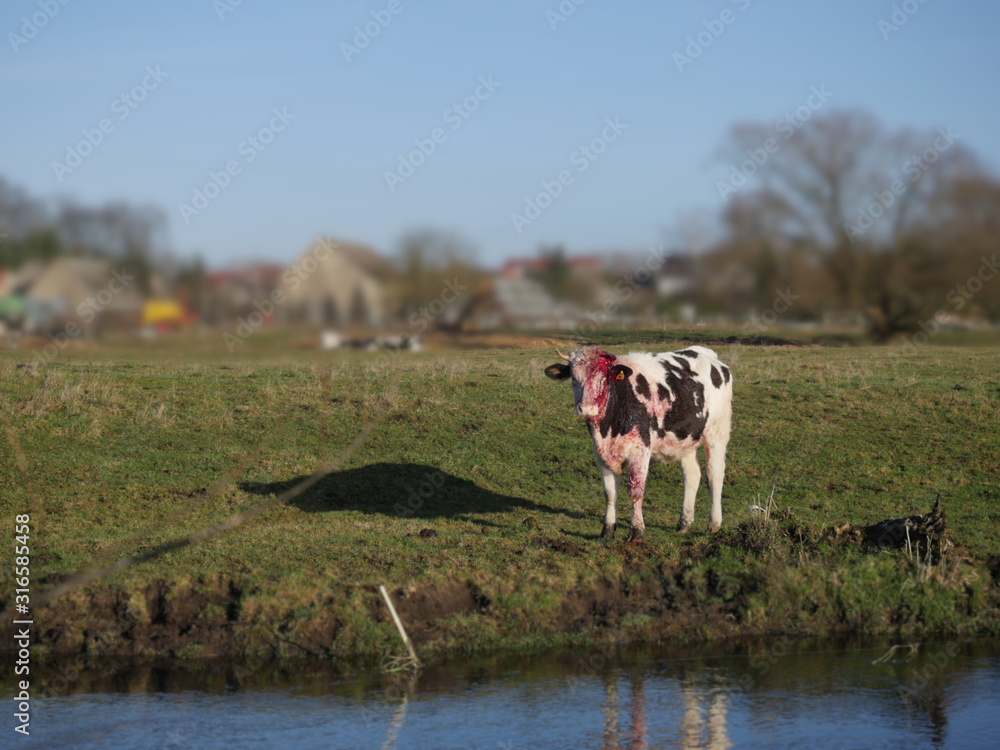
(123, 453)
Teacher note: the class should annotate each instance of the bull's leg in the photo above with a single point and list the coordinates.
(637, 472)
(715, 465)
(692, 478)
(611, 495)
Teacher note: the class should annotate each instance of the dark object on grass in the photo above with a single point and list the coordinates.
(558, 545)
(916, 533)
(959, 387)
(428, 533)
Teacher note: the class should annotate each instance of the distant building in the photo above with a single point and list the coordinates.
(518, 268)
(586, 267)
(516, 303)
(17, 282)
(675, 278)
(88, 290)
(232, 292)
(337, 284)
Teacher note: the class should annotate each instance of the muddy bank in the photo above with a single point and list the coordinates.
(205, 620)
(796, 581)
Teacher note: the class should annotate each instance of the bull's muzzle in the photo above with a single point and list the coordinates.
(586, 410)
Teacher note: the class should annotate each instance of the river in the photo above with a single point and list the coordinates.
(772, 692)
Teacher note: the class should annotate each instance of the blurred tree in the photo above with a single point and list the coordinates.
(872, 209)
(191, 286)
(555, 273)
(135, 236)
(970, 230)
(19, 214)
(34, 230)
(41, 244)
(433, 263)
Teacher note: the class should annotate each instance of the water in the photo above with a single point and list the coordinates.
(773, 693)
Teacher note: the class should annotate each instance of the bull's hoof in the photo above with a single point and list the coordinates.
(634, 535)
(683, 527)
(713, 527)
(608, 532)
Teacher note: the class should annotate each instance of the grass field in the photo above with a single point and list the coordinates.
(477, 500)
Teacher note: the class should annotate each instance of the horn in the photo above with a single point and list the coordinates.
(562, 356)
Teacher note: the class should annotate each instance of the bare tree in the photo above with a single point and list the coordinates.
(35, 229)
(869, 205)
(135, 235)
(430, 260)
(25, 228)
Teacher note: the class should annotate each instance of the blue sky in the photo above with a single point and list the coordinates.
(221, 79)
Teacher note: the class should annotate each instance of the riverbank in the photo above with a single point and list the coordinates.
(802, 584)
(475, 499)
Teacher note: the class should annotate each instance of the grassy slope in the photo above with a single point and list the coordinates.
(124, 453)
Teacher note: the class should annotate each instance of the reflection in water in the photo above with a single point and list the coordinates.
(637, 729)
(612, 736)
(703, 710)
(764, 693)
(399, 714)
(694, 724)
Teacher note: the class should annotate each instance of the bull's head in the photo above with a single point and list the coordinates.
(592, 371)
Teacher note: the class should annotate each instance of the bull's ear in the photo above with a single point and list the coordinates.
(619, 372)
(558, 371)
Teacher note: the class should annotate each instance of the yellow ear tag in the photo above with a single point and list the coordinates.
(621, 375)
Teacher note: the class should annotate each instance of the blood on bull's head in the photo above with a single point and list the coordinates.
(592, 371)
